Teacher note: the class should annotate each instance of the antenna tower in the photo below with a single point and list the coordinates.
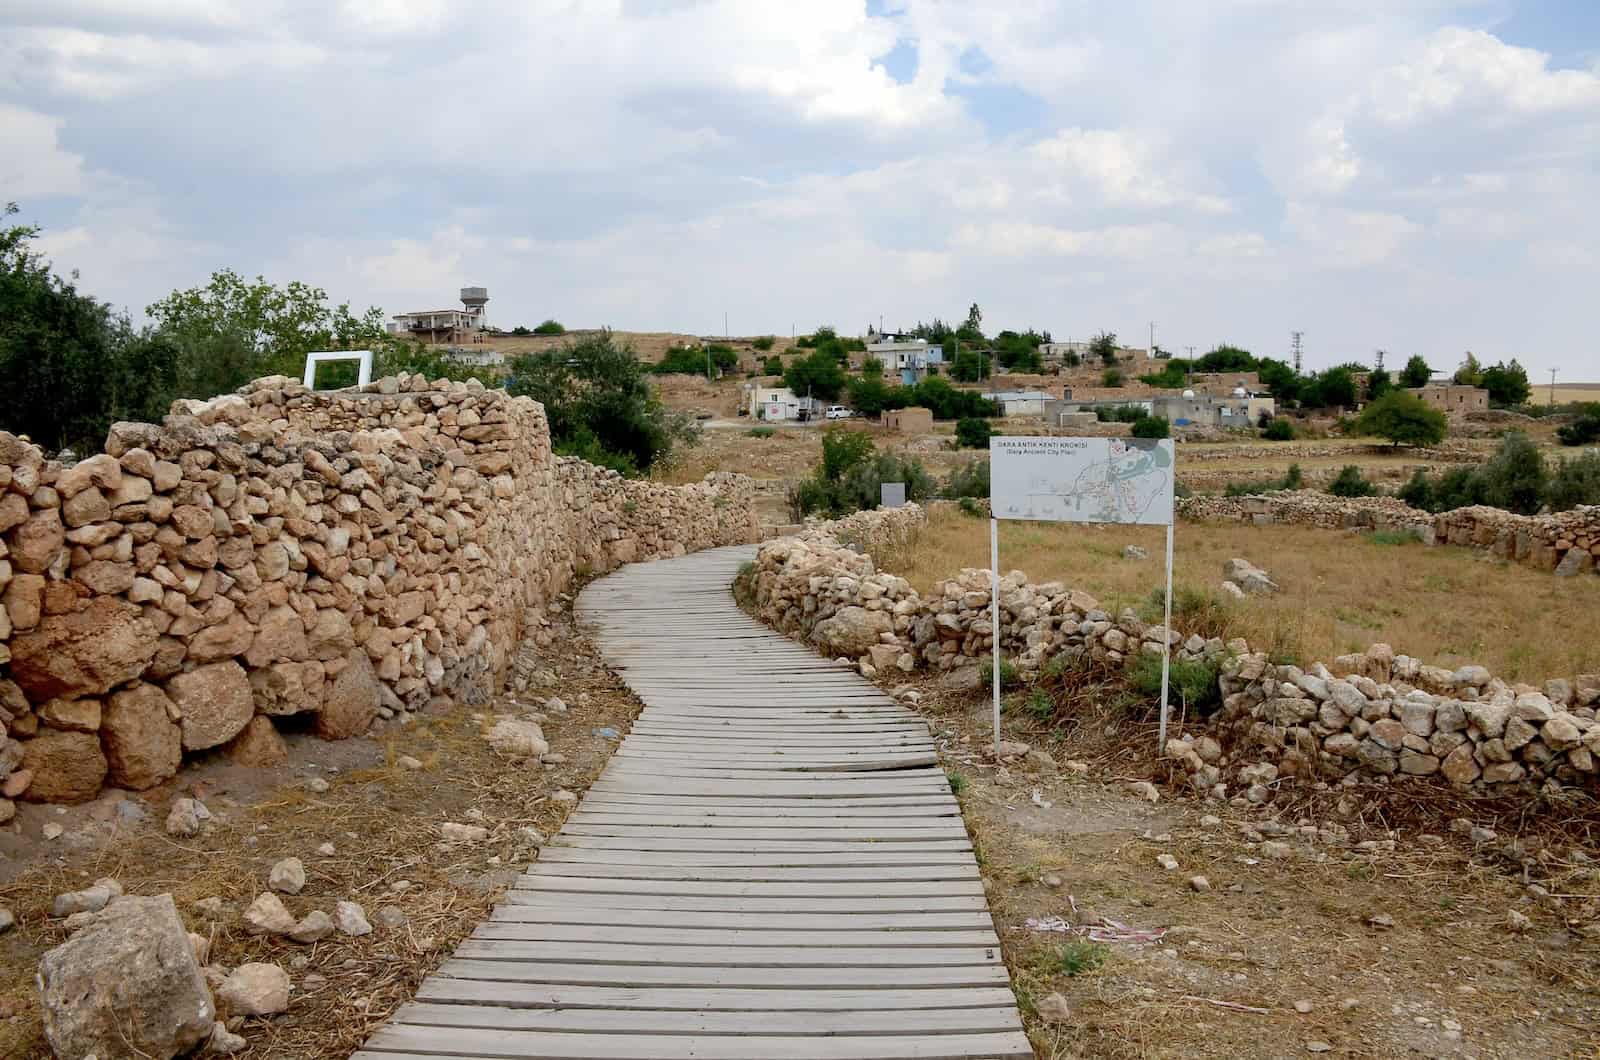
(1379, 358)
(1294, 347)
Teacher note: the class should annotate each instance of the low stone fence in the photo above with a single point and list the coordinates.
(277, 551)
(1567, 543)
(1443, 454)
(1371, 715)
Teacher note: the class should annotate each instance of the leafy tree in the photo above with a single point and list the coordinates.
(1378, 384)
(1404, 419)
(1335, 387)
(1279, 430)
(1227, 359)
(1279, 378)
(1019, 352)
(550, 327)
(773, 365)
(969, 366)
(601, 405)
(764, 343)
(1584, 429)
(1111, 377)
(817, 374)
(1514, 478)
(974, 319)
(1507, 384)
(1416, 373)
(973, 432)
(695, 360)
(1574, 482)
(870, 395)
(1470, 373)
(1418, 491)
(521, 331)
(1104, 346)
(1151, 427)
(1349, 483)
(1174, 374)
(851, 474)
(948, 403)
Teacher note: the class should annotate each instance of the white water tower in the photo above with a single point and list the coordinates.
(475, 298)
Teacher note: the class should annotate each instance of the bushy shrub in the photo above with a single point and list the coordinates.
(1111, 377)
(1516, 478)
(1396, 537)
(1151, 427)
(764, 343)
(973, 432)
(1584, 430)
(772, 365)
(851, 475)
(1293, 479)
(1193, 683)
(1574, 482)
(762, 432)
(969, 480)
(695, 360)
(1349, 483)
(550, 327)
(1009, 677)
(1279, 430)
(1119, 413)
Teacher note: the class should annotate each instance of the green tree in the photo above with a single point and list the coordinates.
(1404, 419)
(1514, 478)
(972, 432)
(550, 327)
(1104, 346)
(1574, 482)
(1470, 373)
(1278, 430)
(817, 374)
(1111, 377)
(1335, 387)
(773, 365)
(969, 366)
(1378, 384)
(1151, 427)
(1507, 384)
(870, 394)
(1279, 378)
(764, 343)
(1582, 430)
(1416, 373)
(1227, 359)
(601, 405)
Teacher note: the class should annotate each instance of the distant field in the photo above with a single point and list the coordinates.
(1566, 393)
(1341, 591)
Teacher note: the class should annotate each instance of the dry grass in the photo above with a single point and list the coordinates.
(383, 824)
(1341, 590)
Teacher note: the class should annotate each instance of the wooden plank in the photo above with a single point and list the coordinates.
(988, 1019)
(400, 1040)
(688, 957)
(574, 913)
(751, 873)
(789, 978)
(667, 938)
(750, 889)
(820, 905)
(477, 992)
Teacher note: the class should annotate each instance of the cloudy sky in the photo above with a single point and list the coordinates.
(1417, 175)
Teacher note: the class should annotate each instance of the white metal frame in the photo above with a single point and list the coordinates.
(364, 375)
(994, 610)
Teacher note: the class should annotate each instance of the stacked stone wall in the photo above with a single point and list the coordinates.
(1366, 716)
(281, 552)
(1567, 543)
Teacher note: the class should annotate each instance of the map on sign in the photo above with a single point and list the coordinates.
(1082, 480)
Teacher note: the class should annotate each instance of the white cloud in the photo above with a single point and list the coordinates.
(33, 164)
(1348, 238)
(1458, 69)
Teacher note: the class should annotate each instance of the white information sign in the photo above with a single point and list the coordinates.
(1082, 480)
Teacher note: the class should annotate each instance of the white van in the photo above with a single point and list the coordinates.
(839, 412)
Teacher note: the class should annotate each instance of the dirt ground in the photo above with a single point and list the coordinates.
(382, 820)
(1364, 941)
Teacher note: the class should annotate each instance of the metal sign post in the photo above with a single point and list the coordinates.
(1080, 480)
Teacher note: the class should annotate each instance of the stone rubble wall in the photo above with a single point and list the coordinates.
(1567, 543)
(1366, 716)
(277, 552)
(1443, 454)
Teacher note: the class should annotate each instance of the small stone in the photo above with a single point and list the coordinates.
(267, 916)
(1516, 921)
(1318, 1047)
(563, 795)
(183, 821)
(287, 876)
(1382, 921)
(1053, 1008)
(1210, 821)
(208, 907)
(317, 785)
(1051, 881)
(1144, 790)
(390, 917)
(1303, 1006)
(407, 762)
(1167, 861)
(351, 919)
(224, 1041)
(327, 850)
(463, 833)
(89, 900)
(1199, 884)
(52, 831)
(1275, 850)
(313, 927)
(554, 758)
(255, 990)
(8, 920)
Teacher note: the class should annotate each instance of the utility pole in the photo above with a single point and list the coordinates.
(1294, 345)
(1152, 340)
(724, 323)
(1552, 386)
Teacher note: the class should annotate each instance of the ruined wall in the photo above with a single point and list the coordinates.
(1565, 542)
(1372, 715)
(278, 552)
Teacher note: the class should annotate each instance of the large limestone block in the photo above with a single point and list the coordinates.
(126, 985)
(214, 704)
(83, 653)
(287, 687)
(66, 766)
(852, 631)
(227, 638)
(280, 635)
(38, 541)
(258, 745)
(143, 746)
(351, 702)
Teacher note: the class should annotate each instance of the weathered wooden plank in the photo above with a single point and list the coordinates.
(751, 873)
(821, 905)
(570, 912)
(988, 1019)
(791, 978)
(478, 992)
(684, 957)
(471, 1044)
(667, 938)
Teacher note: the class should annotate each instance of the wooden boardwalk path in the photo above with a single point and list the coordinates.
(771, 866)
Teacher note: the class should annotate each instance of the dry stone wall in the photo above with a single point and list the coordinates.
(281, 552)
(1370, 716)
(1567, 543)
